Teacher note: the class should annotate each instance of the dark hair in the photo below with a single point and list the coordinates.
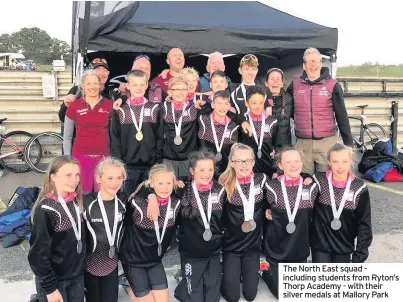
(136, 73)
(279, 155)
(275, 70)
(218, 73)
(203, 154)
(254, 90)
(221, 94)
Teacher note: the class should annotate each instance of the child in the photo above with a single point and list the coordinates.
(103, 213)
(200, 232)
(342, 213)
(180, 127)
(217, 132)
(290, 201)
(264, 129)
(57, 243)
(242, 222)
(90, 117)
(191, 76)
(145, 241)
(248, 68)
(136, 132)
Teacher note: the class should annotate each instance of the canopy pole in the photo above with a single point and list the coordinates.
(333, 60)
(87, 17)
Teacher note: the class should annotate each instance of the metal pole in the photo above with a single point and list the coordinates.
(394, 124)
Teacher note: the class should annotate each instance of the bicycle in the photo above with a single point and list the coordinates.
(370, 133)
(12, 145)
(51, 146)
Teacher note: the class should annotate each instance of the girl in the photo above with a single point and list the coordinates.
(103, 213)
(90, 117)
(290, 200)
(242, 223)
(191, 76)
(342, 213)
(264, 130)
(57, 243)
(282, 104)
(136, 132)
(180, 128)
(200, 232)
(145, 241)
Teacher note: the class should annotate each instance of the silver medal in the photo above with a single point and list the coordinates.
(259, 154)
(111, 252)
(218, 156)
(79, 246)
(177, 140)
(290, 227)
(159, 249)
(252, 224)
(336, 224)
(207, 235)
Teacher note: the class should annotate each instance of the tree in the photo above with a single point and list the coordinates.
(35, 44)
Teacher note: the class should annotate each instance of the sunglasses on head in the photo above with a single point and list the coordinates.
(99, 60)
(141, 57)
(248, 58)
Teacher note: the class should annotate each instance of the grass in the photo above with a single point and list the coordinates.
(369, 70)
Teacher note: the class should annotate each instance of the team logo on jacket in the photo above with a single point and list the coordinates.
(301, 91)
(101, 110)
(96, 219)
(323, 92)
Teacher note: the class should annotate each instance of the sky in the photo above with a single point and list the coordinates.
(367, 32)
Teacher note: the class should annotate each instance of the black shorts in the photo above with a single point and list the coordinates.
(144, 279)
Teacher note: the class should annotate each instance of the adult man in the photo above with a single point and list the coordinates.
(176, 62)
(102, 68)
(318, 100)
(154, 92)
(215, 62)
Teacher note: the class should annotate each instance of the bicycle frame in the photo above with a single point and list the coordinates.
(18, 149)
(359, 143)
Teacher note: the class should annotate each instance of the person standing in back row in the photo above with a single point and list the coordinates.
(318, 100)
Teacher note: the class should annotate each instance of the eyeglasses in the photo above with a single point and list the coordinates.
(312, 62)
(240, 163)
(181, 90)
(99, 60)
(249, 57)
(141, 57)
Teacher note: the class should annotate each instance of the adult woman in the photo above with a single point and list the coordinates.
(282, 105)
(90, 116)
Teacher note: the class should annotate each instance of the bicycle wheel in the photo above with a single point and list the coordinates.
(372, 134)
(15, 141)
(52, 146)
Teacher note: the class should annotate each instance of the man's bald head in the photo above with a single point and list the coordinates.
(176, 59)
(143, 64)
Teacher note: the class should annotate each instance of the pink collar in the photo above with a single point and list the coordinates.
(245, 180)
(179, 106)
(162, 201)
(70, 196)
(271, 102)
(256, 117)
(136, 101)
(340, 184)
(291, 182)
(216, 122)
(204, 188)
(191, 96)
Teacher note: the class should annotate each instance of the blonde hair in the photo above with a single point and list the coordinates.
(49, 186)
(188, 70)
(311, 50)
(175, 81)
(107, 162)
(340, 147)
(228, 177)
(86, 74)
(154, 171)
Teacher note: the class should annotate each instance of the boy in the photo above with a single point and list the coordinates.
(264, 129)
(136, 132)
(217, 132)
(248, 68)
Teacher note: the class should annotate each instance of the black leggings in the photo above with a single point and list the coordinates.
(235, 266)
(270, 277)
(324, 257)
(101, 289)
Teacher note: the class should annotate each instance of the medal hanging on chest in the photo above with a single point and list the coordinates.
(336, 223)
(207, 234)
(76, 226)
(291, 227)
(111, 236)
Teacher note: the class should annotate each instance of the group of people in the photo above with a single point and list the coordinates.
(214, 167)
